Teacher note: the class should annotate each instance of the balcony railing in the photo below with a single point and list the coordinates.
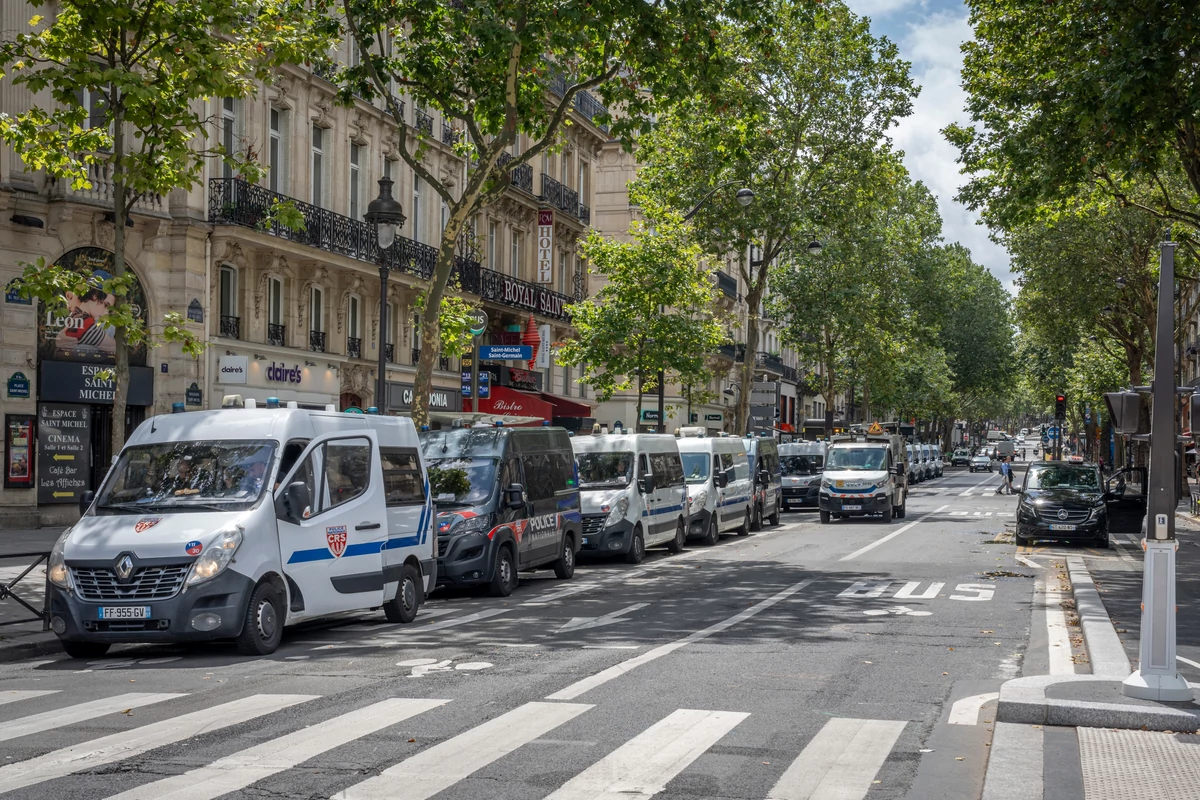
(790, 374)
(316, 341)
(561, 197)
(389, 353)
(443, 363)
(585, 214)
(508, 291)
(100, 192)
(727, 284)
(520, 176)
(416, 355)
(422, 121)
(727, 350)
(585, 102)
(769, 362)
(275, 334)
(231, 327)
(399, 106)
(449, 135)
(354, 347)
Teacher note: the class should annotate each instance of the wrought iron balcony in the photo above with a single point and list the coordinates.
(769, 362)
(520, 176)
(790, 374)
(399, 106)
(727, 284)
(561, 197)
(423, 121)
(416, 355)
(354, 347)
(231, 327)
(585, 102)
(275, 334)
(727, 350)
(443, 363)
(389, 353)
(508, 291)
(585, 214)
(316, 341)
(449, 135)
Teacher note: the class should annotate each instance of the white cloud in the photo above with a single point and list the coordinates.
(879, 8)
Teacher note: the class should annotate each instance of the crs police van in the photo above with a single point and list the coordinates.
(231, 524)
(763, 454)
(717, 472)
(864, 474)
(507, 500)
(632, 491)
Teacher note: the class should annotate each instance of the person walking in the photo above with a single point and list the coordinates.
(1005, 477)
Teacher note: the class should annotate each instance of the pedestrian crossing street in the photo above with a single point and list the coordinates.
(840, 761)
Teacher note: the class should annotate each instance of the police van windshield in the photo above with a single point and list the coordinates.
(868, 459)
(695, 467)
(801, 465)
(462, 481)
(604, 469)
(187, 476)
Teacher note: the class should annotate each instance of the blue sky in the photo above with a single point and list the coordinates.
(929, 33)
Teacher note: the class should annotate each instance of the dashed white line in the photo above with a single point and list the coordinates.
(890, 536)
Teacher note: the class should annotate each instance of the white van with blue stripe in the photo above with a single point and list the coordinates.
(632, 493)
(717, 471)
(232, 524)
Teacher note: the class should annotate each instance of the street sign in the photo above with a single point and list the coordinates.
(479, 322)
(506, 352)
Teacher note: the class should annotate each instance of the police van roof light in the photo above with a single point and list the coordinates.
(424, 427)
(499, 423)
(232, 401)
(292, 404)
(176, 408)
(372, 410)
(272, 402)
(251, 403)
(545, 423)
(330, 407)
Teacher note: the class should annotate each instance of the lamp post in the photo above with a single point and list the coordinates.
(386, 215)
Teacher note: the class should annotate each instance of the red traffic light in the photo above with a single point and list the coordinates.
(1060, 399)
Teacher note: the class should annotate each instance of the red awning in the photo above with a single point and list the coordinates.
(566, 408)
(505, 400)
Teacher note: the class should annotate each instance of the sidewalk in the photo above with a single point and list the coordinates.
(1078, 735)
(25, 638)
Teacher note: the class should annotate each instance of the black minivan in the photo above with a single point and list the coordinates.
(507, 499)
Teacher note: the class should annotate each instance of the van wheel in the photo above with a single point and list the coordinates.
(824, 517)
(262, 629)
(84, 649)
(756, 520)
(504, 575)
(774, 518)
(714, 533)
(676, 544)
(404, 606)
(887, 513)
(744, 528)
(637, 548)
(902, 509)
(564, 568)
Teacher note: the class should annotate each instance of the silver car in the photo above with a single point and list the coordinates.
(981, 462)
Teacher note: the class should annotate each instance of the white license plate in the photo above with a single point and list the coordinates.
(125, 612)
(1062, 527)
(585, 540)
(851, 508)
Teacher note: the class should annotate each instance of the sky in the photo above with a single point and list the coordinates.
(929, 33)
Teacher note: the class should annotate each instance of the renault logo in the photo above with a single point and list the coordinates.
(1062, 513)
(124, 567)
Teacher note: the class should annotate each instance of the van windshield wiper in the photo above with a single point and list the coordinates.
(164, 506)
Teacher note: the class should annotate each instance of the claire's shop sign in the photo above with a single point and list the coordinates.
(282, 373)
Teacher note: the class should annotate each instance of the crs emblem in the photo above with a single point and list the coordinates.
(335, 537)
(146, 523)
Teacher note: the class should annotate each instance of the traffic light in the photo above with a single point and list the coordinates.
(1060, 406)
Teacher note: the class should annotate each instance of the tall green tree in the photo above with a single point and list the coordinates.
(150, 65)
(655, 311)
(513, 68)
(801, 122)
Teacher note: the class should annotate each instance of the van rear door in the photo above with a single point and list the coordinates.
(332, 555)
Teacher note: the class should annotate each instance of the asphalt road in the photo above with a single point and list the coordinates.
(802, 661)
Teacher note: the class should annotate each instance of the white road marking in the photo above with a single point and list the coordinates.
(1029, 562)
(452, 623)
(967, 493)
(611, 646)
(617, 670)
(422, 615)
(1122, 553)
(1187, 661)
(890, 536)
(909, 589)
(439, 767)
(236, 772)
(966, 710)
(867, 588)
(982, 591)
(1059, 636)
(583, 623)
(840, 762)
(16, 695)
(559, 594)
(643, 766)
(127, 744)
(62, 717)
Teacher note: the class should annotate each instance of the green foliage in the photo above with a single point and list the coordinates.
(448, 481)
(454, 321)
(655, 311)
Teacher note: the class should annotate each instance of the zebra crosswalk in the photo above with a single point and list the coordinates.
(841, 760)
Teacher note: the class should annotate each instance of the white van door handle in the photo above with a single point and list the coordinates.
(366, 526)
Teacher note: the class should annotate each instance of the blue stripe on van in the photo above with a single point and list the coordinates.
(662, 510)
(734, 501)
(357, 549)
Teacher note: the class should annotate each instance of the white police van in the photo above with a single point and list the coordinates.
(717, 472)
(231, 524)
(632, 493)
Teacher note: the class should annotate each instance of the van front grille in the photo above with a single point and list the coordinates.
(593, 524)
(146, 583)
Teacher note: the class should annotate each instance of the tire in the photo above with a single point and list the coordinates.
(887, 514)
(504, 573)
(404, 606)
(774, 518)
(902, 509)
(676, 544)
(1103, 542)
(714, 533)
(824, 517)
(1022, 541)
(744, 528)
(637, 548)
(84, 649)
(564, 568)
(756, 523)
(262, 627)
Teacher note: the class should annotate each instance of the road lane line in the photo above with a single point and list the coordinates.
(967, 493)
(62, 717)
(891, 535)
(236, 772)
(127, 744)
(643, 766)
(449, 623)
(840, 761)
(1057, 634)
(617, 670)
(1187, 661)
(16, 695)
(1028, 562)
(425, 613)
(439, 767)
(966, 710)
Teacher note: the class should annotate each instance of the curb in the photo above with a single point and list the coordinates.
(1023, 700)
(41, 646)
(1105, 651)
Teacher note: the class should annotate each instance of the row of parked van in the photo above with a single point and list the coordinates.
(924, 462)
(233, 524)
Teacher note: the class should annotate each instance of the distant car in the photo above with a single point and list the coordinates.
(980, 462)
(960, 458)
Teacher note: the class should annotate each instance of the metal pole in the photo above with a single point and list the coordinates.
(475, 375)
(1157, 678)
(662, 419)
(381, 368)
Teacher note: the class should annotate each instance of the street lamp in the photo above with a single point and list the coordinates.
(386, 215)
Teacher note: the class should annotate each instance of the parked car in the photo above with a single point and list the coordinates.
(1067, 500)
(960, 458)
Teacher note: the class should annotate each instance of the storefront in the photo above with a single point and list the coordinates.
(400, 399)
(309, 384)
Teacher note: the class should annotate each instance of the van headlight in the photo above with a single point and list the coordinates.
(56, 571)
(472, 525)
(618, 512)
(701, 499)
(217, 557)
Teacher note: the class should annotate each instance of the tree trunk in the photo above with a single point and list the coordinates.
(828, 395)
(742, 417)
(638, 411)
(866, 402)
(121, 355)
(431, 322)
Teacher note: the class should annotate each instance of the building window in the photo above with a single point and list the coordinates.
(228, 292)
(493, 246)
(581, 184)
(565, 169)
(387, 168)
(275, 301)
(445, 217)
(354, 180)
(318, 166)
(275, 151)
(228, 133)
(352, 329)
(515, 254)
(562, 272)
(316, 309)
(416, 205)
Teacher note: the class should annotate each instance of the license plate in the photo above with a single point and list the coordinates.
(851, 508)
(125, 612)
(1062, 527)
(585, 540)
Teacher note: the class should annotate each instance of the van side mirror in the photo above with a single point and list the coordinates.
(297, 500)
(764, 477)
(514, 496)
(722, 478)
(85, 501)
(646, 484)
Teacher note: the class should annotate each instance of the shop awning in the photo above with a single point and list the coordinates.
(566, 408)
(507, 401)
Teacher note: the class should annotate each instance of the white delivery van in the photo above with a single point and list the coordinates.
(717, 472)
(801, 464)
(864, 475)
(767, 498)
(632, 493)
(231, 524)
